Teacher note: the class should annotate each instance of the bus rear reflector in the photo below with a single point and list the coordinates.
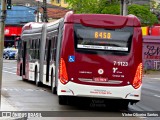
(63, 72)
(138, 77)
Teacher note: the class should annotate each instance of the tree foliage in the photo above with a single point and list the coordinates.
(112, 7)
(143, 13)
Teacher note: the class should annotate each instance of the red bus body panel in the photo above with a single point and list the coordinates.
(88, 65)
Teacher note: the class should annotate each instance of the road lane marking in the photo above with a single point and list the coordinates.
(10, 67)
(9, 72)
(157, 96)
(156, 78)
(22, 89)
(151, 78)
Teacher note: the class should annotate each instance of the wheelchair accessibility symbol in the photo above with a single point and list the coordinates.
(71, 58)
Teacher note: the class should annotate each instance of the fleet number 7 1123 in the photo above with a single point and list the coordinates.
(118, 63)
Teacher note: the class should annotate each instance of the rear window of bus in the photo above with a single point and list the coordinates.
(102, 39)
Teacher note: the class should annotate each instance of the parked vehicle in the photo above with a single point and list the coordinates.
(10, 53)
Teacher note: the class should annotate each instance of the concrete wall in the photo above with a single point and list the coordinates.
(151, 53)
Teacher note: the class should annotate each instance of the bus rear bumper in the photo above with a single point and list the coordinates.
(80, 90)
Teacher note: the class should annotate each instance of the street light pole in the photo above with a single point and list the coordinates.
(124, 10)
(45, 18)
(121, 7)
(2, 27)
(38, 12)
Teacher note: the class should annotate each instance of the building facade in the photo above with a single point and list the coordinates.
(62, 3)
(151, 52)
(16, 17)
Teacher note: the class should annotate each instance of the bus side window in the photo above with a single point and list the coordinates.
(35, 52)
(46, 47)
(38, 47)
(32, 49)
(55, 46)
(51, 57)
(19, 49)
(53, 41)
(22, 49)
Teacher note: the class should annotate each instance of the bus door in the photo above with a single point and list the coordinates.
(24, 57)
(48, 58)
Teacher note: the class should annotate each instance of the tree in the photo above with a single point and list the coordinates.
(143, 13)
(83, 6)
(93, 6)
(113, 7)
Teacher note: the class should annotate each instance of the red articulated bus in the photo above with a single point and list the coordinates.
(85, 55)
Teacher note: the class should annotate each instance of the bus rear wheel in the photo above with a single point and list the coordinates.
(54, 88)
(21, 70)
(124, 105)
(63, 100)
(38, 84)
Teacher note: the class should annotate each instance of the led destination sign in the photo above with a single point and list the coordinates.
(102, 35)
(102, 39)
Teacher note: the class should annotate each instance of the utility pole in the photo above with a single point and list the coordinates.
(124, 10)
(45, 17)
(2, 27)
(121, 7)
(37, 10)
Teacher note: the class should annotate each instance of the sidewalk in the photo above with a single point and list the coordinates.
(6, 106)
(152, 74)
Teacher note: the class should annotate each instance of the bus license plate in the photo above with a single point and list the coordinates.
(100, 79)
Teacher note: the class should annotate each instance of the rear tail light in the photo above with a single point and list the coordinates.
(138, 77)
(63, 72)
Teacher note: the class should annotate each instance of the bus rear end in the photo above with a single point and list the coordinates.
(101, 57)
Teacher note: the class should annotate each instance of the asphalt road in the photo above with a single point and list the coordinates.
(25, 96)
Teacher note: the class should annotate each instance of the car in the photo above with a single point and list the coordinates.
(10, 53)
(5, 51)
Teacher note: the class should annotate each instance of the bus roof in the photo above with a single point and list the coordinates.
(53, 23)
(32, 25)
(102, 20)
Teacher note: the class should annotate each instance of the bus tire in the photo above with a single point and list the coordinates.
(54, 88)
(38, 84)
(124, 105)
(63, 100)
(5, 57)
(21, 70)
(24, 79)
